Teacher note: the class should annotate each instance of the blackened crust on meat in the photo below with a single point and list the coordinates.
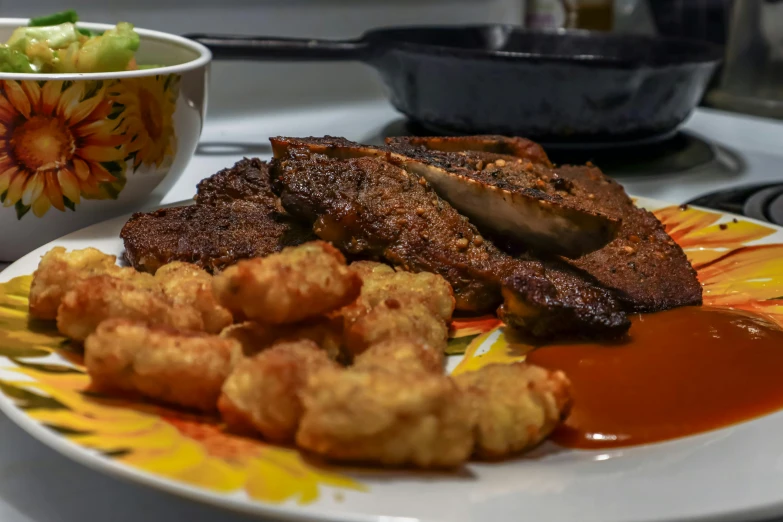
(371, 208)
(644, 267)
(247, 180)
(212, 237)
(500, 193)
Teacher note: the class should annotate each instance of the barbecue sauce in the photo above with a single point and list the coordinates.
(681, 372)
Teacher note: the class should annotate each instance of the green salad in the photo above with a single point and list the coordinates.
(53, 44)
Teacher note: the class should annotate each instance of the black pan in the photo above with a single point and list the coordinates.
(578, 87)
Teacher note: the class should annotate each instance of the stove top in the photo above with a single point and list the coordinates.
(676, 153)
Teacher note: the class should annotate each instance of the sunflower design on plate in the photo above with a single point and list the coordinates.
(58, 144)
(45, 378)
(147, 117)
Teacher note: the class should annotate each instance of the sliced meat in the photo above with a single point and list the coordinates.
(643, 266)
(212, 237)
(647, 270)
(503, 185)
(369, 207)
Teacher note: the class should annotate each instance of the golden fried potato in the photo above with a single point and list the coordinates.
(388, 418)
(187, 284)
(262, 393)
(256, 337)
(293, 285)
(179, 368)
(392, 320)
(517, 406)
(102, 297)
(380, 282)
(58, 271)
(401, 354)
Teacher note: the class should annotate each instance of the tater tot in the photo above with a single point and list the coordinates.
(262, 393)
(293, 285)
(391, 320)
(401, 354)
(187, 284)
(517, 406)
(380, 282)
(180, 368)
(256, 337)
(102, 297)
(388, 418)
(58, 271)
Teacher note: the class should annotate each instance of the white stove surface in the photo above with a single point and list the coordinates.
(39, 485)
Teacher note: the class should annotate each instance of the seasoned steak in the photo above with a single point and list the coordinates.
(212, 237)
(644, 267)
(372, 208)
(236, 216)
(247, 180)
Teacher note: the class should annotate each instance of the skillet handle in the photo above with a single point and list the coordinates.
(261, 48)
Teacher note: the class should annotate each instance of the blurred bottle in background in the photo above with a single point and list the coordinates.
(595, 15)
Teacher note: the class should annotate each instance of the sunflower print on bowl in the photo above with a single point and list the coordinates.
(64, 141)
(45, 377)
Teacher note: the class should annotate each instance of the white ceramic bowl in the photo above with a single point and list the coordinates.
(76, 149)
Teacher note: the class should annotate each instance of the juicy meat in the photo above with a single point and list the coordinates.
(647, 270)
(507, 187)
(236, 216)
(369, 207)
(503, 185)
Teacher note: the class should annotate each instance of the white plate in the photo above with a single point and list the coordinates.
(734, 473)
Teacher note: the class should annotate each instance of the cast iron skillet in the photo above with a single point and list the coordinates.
(573, 86)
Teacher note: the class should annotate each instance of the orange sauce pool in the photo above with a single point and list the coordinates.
(682, 372)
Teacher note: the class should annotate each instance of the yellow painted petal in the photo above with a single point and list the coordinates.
(50, 95)
(69, 184)
(41, 206)
(100, 154)
(725, 235)
(504, 349)
(33, 92)
(7, 112)
(69, 100)
(53, 192)
(15, 188)
(750, 273)
(85, 108)
(33, 189)
(702, 256)
(100, 173)
(5, 178)
(679, 223)
(17, 97)
(81, 169)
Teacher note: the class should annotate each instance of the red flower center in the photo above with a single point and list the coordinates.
(42, 143)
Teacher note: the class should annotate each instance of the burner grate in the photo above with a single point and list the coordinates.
(763, 202)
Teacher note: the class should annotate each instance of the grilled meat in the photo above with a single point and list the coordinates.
(503, 185)
(247, 180)
(369, 207)
(236, 216)
(644, 267)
